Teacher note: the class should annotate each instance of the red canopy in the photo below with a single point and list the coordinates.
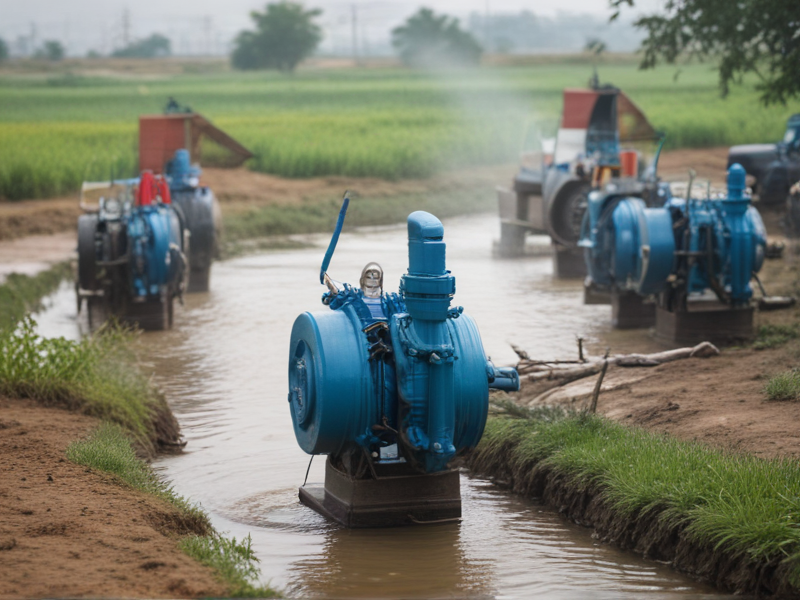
(631, 122)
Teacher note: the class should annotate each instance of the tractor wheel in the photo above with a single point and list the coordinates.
(571, 215)
(512, 240)
(199, 280)
(793, 214)
(87, 252)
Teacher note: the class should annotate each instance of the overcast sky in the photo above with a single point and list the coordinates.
(86, 24)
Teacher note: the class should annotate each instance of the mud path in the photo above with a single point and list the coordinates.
(240, 190)
(67, 531)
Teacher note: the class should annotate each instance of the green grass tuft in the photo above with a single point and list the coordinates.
(98, 376)
(741, 504)
(233, 560)
(109, 449)
(784, 386)
(21, 294)
(772, 336)
(311, 217)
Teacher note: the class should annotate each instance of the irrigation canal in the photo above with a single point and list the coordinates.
(223, 368)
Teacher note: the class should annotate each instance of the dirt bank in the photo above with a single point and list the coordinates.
(240, 190)
(67, 531)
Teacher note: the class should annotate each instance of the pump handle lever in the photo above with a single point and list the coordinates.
(335, 238)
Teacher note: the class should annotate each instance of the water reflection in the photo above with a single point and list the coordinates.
(423, 562)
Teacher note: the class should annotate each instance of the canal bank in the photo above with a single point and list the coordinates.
(69, 530)
(81, 512)
(725, 518)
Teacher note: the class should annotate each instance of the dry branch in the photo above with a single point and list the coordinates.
(549, 374)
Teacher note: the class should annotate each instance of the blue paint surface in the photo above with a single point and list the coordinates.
(410, 370)
(713, 243)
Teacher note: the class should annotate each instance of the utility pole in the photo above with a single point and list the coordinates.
(207, 25)
(354, 23)
(33, 39)
(486, 34)
(126, 27)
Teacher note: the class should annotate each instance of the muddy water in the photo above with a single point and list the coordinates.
(223, 368)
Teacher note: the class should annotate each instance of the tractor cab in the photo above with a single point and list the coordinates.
(791, 139)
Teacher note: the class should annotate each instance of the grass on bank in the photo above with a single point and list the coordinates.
(97, 376)
(772, 336)
(784, 386)
(21, 294)
(391, 123)
(740, 504)
(316, 216)
(109, 449)
(233, 560)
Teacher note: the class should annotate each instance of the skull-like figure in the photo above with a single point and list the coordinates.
(372, 280)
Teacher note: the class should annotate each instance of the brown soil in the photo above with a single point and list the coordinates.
(38, 217)
(68, 531)
(240, 190)
(719, 401)
(708, 163)
(35, 253)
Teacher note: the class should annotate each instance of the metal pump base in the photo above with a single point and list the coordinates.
(718, 325)
(630, 311)
(568, 262)
(397, 497)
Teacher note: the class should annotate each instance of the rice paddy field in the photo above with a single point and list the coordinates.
(59, 130)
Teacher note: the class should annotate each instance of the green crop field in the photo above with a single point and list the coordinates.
(392, 123)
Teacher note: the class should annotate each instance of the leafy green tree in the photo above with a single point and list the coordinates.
(3, 50)
(595, 46)
(430, 40)
(744, 36)
(285, 34)
(52, 50)
(151, 47)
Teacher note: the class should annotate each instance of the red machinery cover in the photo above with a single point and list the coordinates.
(161, 135)
(578, 107)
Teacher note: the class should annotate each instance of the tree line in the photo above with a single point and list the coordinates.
(759, 38)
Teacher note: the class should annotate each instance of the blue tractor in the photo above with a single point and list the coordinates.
(131, 260)
(172, 144)
(392, 388)
(773, 167)
(694, 257)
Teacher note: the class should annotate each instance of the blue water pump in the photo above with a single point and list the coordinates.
(398, 378)
(199, 212)
(130, 255)
(680, 250)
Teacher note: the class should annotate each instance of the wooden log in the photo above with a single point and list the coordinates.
(541, 371)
